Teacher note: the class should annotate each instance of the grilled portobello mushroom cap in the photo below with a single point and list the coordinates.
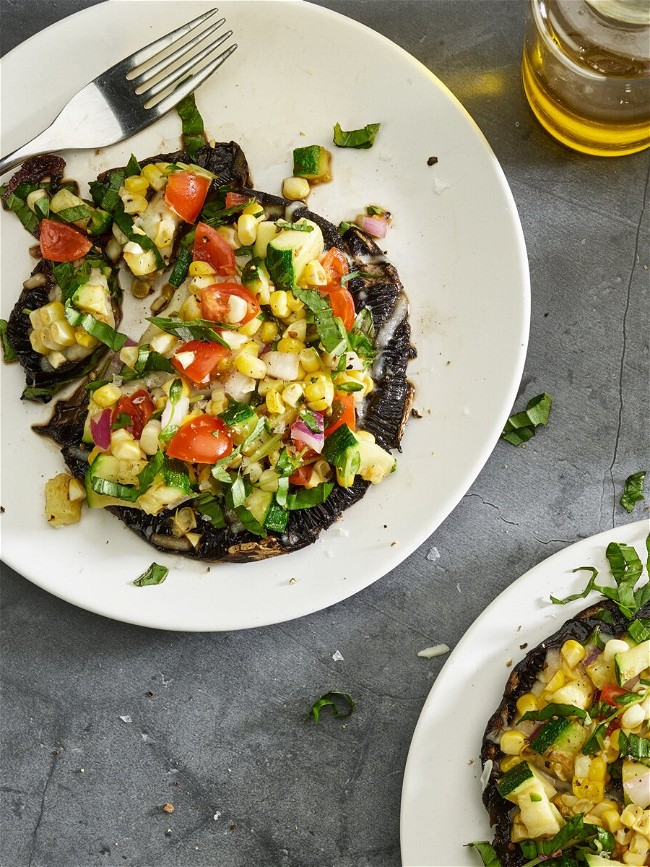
(604, 615)
(387, 410)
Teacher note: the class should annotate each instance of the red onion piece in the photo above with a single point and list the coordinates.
(300, 433)
(375, 226)
(130, 342)
(100, 429)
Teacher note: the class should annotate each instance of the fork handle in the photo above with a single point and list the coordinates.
(45, 142)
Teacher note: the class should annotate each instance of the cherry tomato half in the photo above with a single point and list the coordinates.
(211, 247)
(301, 475)
(207, 356)
(139, 406)
(341, 302)
(342, 413)
(335, 264)
(234, 199)
(215, 303)
(61, 242)
(185, 193)
(610, 692)
(204, 439)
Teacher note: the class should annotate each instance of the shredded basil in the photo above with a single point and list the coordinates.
(305, 498)
(554, 710)
(125, 223)
(340, 703)
(155, 574)
(575, 833)
(115, 340)
(123, 420)
(522, 426)
(193, 129)
(27, 217)
(106, 195)
(8, 352)
(633, 491)
(209, 507)
(355, 138)
(330, 329)
(148, 360)
(74, 214)
(132, 167)
(285, 225)
(487, 853)
(634, 747)
(310, 420)
(181, 267)
(192, 329)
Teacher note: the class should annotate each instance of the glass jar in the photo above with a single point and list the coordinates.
(586, 73)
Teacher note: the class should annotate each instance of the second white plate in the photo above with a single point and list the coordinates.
(441, 808)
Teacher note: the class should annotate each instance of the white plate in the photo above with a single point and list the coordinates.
(441, 808)
(456, 241)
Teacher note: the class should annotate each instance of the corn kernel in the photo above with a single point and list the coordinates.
(265, 385)
(149, 436)
(309, 360)
(556, 681)
(251, 347)
(201, 269)
(510, 762)
(279, 303)
(293, 303)
(87, 341)
(319, 392)
(614, 646)
(107, 395)
(632, 717)
(512, 742)
(163, 342)
(290, 344)
(590, 789)
(292, 393)
(614, 739)
(251, 366)
(255, 209)
(631, 814)
(154, 176)
(190, 308)
(247, 229)
(611, 820)
(62, 333)
(295, 189)
(37, 343)
(251, 327)
(123, 448)
(229, 235)
(268, 331)
(51, 312)
(598, 770)
(134, 203)
(56, 359)
(218, 405)
(274, 402)
(136, 184)
(314, 274)
(642, 825)
(297, 329)
(572, 652)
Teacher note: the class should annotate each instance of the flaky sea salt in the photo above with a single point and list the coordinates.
(338, 656)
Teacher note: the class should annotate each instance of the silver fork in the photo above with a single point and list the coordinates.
(114, 106)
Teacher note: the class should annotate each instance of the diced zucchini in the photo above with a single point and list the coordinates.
(288, 253)
(636, 783)
(313, 162)
(108, 472)
(579, 693)
(539, 815)
(241, 419)
(100, 222)
(601, 671)
(276, 519)
(593, 860)
(341, 449)
(549, 733)
(258, 503)
(266, 231)
(376, 463)
(520, 779)
(632, 662)
(255, 277)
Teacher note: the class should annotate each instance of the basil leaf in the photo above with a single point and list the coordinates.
(193, 130)
(132, 167)
(596, 739)
(330, 329)
(624, 562)
(238, 492)
(487, 853)
(554, 710)
(106, 195)
(305, 498)
(633, 491)
(22, 211)
(520, 427)
(115, 340)
(215, 214)
(634, 747)
(70, 277)
(125, 223)
(590, 586)
(123, 420)
(181, 267)
(148, 360)
(149, 473)
(310, 420)
(155, 574)
(8, 353)
(332, 699)
(114, 489)
(639, 630)
(209, 507)
(72, 215)
(192, 329)
(355, 138)
(286, 225)
(175, 475)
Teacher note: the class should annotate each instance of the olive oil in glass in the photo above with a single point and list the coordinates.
(586, 73)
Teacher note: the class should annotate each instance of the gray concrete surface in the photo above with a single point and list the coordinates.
(216, 719)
